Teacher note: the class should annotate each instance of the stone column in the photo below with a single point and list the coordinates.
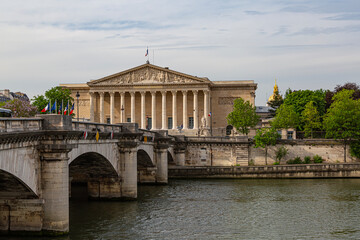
(162, 165)
(163, 111)
(112, 106)
(55, 185)
(143, 122)
(92, 104)
(174, 109)
(101, 107)
(196, 110)
(128, 169)
(122, 107)
(185, 118)
(132, 94)
(206, 107)
(153, 110)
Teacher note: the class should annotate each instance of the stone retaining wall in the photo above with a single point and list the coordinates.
(345, 170)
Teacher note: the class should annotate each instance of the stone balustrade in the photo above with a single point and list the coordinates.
(101, 127)
(20, 124)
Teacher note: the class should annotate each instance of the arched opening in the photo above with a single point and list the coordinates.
(171, 161)
(91, 176)
(145, 167)
(12, 187)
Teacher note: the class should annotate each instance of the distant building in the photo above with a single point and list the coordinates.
(160, 98)
(6, 95)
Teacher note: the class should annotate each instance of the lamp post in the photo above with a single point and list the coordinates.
(122, 113)
(77, 110)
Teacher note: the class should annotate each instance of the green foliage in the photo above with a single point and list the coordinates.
(342, 118)
(300, 98)
(286, 117)
(276, 163)
(61, 95)
(20, 108)
(243, 116)
(311, 119)
(266, 137)
(251, 162)
(296, 160)
(280, 153)
(317, 159)
(307, 160)
(355, 148)
(2, 104)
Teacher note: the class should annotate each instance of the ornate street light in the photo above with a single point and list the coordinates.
(77, 110)
(122, 113)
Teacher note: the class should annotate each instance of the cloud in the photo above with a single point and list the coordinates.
(327, 30)
(254, 13)
(348, 16)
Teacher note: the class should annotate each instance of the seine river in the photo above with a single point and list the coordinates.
(226, 209)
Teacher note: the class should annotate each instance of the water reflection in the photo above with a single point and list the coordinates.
(226, 209)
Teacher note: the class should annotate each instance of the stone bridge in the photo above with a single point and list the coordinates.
(40, 158)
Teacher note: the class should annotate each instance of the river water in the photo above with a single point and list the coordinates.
(226, 209)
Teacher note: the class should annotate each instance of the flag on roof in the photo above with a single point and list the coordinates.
(209, 114)
(147, 52)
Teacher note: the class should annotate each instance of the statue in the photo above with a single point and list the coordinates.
(203, 125)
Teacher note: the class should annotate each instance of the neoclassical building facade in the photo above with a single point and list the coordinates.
(161, 98)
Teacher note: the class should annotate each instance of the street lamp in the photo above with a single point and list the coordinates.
(122, 113)
(77, 110)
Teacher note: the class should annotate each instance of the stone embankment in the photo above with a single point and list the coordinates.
(342, 170)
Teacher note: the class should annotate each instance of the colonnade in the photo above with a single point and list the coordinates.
(153, 107)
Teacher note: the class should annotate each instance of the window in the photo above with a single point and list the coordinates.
(108, 120)
(191, 122)
(290, 134)
(170, 123)
(203, 154)
(128, 120)
(149, 123)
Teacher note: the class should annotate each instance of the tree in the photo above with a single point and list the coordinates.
(311, 119)
(266, 137)
(338, 88)
(286, 117)
(342, 119)
(275, 104)
(20, 108)
(243, 116)
(58, 94)
(300, 98)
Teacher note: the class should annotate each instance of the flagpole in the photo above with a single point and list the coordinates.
(62, 106)
(153, 57)
(50, 107)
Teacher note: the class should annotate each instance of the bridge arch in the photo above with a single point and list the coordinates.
(91, 166)
(24, 165)
(12, 187)
(143, 159)
(146, 151)
(108, 152)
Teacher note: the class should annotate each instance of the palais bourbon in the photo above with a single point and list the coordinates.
(159, 98)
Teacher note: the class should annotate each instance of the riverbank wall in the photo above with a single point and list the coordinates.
(240, 151)
(342, 170)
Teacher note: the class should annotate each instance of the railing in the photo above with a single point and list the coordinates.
(101, 127)
(218, 139)
(20, 124)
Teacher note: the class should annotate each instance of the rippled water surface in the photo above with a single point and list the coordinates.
(226, 209)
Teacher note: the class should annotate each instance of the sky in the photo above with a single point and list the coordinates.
(303, 44)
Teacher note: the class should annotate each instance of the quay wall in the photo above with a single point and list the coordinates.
(242, 152)
(342, 170)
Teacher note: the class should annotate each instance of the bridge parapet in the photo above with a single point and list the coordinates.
(101, 127)
(20, 124)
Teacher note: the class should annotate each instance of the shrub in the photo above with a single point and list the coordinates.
(276, 163)
(317, 159)
(307, 159)
(298, 160)
(281, 153)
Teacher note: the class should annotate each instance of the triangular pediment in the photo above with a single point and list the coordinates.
(148, 74)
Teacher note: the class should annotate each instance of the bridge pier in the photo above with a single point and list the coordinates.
(162, 165)
(105, 188)
(128, 168)
(55, 187)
